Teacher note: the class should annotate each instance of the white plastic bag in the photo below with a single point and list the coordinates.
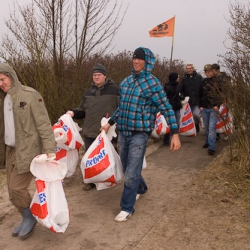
(161, 127)
(46, 169)
(225, 121)
(70, 158)
(67, 134)
(68, 140)
(49, 205)
(187, 125)
(101, 163)
(111, 132)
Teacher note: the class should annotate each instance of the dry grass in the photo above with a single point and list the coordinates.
(2, 178)
(228, 179)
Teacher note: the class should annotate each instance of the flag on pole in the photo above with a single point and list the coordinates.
(163, 29)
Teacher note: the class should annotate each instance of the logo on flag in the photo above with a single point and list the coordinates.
(163, 29)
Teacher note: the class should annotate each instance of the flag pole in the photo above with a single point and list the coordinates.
(172, 48)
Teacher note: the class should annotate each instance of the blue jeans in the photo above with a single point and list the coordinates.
(132, 151)
(210, 118)
(196, 114)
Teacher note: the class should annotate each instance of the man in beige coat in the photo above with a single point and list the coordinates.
(27, 133)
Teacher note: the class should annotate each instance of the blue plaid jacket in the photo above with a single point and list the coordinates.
(141, 97)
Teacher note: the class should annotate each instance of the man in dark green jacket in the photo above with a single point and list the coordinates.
(99, 101)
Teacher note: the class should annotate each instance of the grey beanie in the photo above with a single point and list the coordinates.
(99, 68)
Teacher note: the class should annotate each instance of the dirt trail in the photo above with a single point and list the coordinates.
(178, 212)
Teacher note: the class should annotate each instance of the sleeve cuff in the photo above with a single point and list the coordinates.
(111, 122)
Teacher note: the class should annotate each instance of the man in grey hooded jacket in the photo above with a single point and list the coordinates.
(27, 133)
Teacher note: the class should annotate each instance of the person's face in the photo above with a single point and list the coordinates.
(209, 73)
(138, 65)
(5, 82)
(189, 69)
(216, 72)
(99, 79)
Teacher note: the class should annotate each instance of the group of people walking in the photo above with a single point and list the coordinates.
(132, 106)
(205, 98)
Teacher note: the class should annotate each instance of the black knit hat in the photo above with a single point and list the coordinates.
(139, 54)
(99, 68)
(173, 77)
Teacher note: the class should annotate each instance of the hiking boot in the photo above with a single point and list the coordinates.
(205, 145)
(211, 152)
(122, 216)
(87, 187)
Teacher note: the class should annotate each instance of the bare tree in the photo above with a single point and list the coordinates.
(101, 21)
(46, 52)
(44, 30)
(236, 61)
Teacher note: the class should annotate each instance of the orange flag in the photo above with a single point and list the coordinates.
(163, 29)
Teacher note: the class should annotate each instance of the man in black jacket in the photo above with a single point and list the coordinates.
(189, 86)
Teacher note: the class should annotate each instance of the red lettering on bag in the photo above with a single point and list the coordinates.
(97, 161)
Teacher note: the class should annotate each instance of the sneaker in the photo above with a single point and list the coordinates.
(211, 152)
(137, 196)
(122, 216)
(205, 145)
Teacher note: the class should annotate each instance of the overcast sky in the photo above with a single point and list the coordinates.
(200, 27)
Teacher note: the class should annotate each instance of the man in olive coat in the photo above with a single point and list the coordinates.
(27, 133)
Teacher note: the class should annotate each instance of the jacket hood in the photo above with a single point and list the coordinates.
(9, 71)
(149, 61)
